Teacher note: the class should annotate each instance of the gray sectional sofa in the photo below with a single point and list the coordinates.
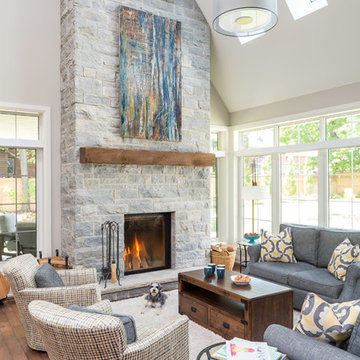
(313, 248)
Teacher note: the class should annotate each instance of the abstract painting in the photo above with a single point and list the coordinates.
(150, 76)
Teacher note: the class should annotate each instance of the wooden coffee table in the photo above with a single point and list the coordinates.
(231, 310)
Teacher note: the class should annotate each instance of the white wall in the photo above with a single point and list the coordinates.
(30, 71)
(335, 97)
(219, 113)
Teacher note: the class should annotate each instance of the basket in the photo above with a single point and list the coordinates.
(220, 255)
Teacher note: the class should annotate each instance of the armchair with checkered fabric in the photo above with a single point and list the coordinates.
(81, 288)
(75, 335)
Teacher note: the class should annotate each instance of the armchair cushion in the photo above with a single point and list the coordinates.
(47, 277)
(127, 320)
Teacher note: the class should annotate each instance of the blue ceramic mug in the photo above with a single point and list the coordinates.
(208, 271)
(220, 273)
(213, 267)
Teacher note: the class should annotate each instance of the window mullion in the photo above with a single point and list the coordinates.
(276, 192)
(323, 187)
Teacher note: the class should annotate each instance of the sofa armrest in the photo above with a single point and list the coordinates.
(84, 295)
(254, 252)
(75, 277)
(300, 347)
(351, 290)
(172, 342)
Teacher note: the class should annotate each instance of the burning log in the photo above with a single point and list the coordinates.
(144, 263)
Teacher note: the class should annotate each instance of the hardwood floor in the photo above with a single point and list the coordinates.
(13, 344)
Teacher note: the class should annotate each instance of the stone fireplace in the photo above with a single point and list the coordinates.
(147, 242)
(95, 193)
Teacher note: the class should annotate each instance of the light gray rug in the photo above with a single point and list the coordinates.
(199, 336)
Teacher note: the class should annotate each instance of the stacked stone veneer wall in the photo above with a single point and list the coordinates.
(92, 194)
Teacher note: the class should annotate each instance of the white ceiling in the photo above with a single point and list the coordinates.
(318, 52)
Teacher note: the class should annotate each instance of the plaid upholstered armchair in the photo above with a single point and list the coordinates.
(81, 288)
(74, 335)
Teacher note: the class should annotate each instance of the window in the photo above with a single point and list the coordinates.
(301, 8)
(303, 133)
(24, 164)
(258, 138)
(19, 126)
(299, 184)
(261, 166)
(344, 188)
(343, 127)
(312, 169)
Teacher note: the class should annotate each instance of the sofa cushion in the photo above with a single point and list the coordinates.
(330, 239)
(319, 281)
(305, 242)
(127, 320)
(47, 277)
(276, 271)
(330, 323)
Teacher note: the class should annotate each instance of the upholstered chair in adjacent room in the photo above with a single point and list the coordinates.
(81, 288)
(75, 335)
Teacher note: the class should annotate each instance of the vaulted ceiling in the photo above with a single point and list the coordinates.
(315, 53)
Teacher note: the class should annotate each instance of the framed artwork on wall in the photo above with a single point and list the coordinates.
(150, 76)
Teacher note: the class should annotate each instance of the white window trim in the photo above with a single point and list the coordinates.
(43, 169)
(223, 184)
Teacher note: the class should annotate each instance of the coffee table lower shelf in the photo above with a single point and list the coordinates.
(215, 309)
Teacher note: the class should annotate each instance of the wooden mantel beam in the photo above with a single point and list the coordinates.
(96, 155)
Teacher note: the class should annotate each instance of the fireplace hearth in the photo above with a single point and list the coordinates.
(147, 242)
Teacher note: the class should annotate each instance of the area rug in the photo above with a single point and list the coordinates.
(198, 335)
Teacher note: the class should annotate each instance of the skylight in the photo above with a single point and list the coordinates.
(245, 39)
(301, 8)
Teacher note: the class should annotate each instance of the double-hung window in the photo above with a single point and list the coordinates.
(24, 185)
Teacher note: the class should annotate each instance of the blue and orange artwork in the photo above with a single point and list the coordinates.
(150, 76)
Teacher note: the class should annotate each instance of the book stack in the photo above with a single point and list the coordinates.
(239, 349)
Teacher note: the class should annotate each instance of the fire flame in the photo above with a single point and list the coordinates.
(137, 249)
(133, 255)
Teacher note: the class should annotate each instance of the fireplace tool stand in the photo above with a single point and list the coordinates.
(109, 236)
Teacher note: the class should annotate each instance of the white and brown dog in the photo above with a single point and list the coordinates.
(155, 299)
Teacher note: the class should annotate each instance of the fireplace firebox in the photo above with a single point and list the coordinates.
(147, 242)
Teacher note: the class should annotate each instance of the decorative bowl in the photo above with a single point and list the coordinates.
(252, 238)
(246, 279)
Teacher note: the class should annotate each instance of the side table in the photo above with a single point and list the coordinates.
(205, 354)
(244, 243)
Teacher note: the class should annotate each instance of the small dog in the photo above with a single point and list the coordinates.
(155, 299)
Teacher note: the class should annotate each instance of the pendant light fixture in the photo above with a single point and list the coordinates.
(244, 17)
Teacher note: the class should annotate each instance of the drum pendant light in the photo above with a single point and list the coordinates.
(244, 17)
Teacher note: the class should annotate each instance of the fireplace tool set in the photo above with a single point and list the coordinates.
(110, 252)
